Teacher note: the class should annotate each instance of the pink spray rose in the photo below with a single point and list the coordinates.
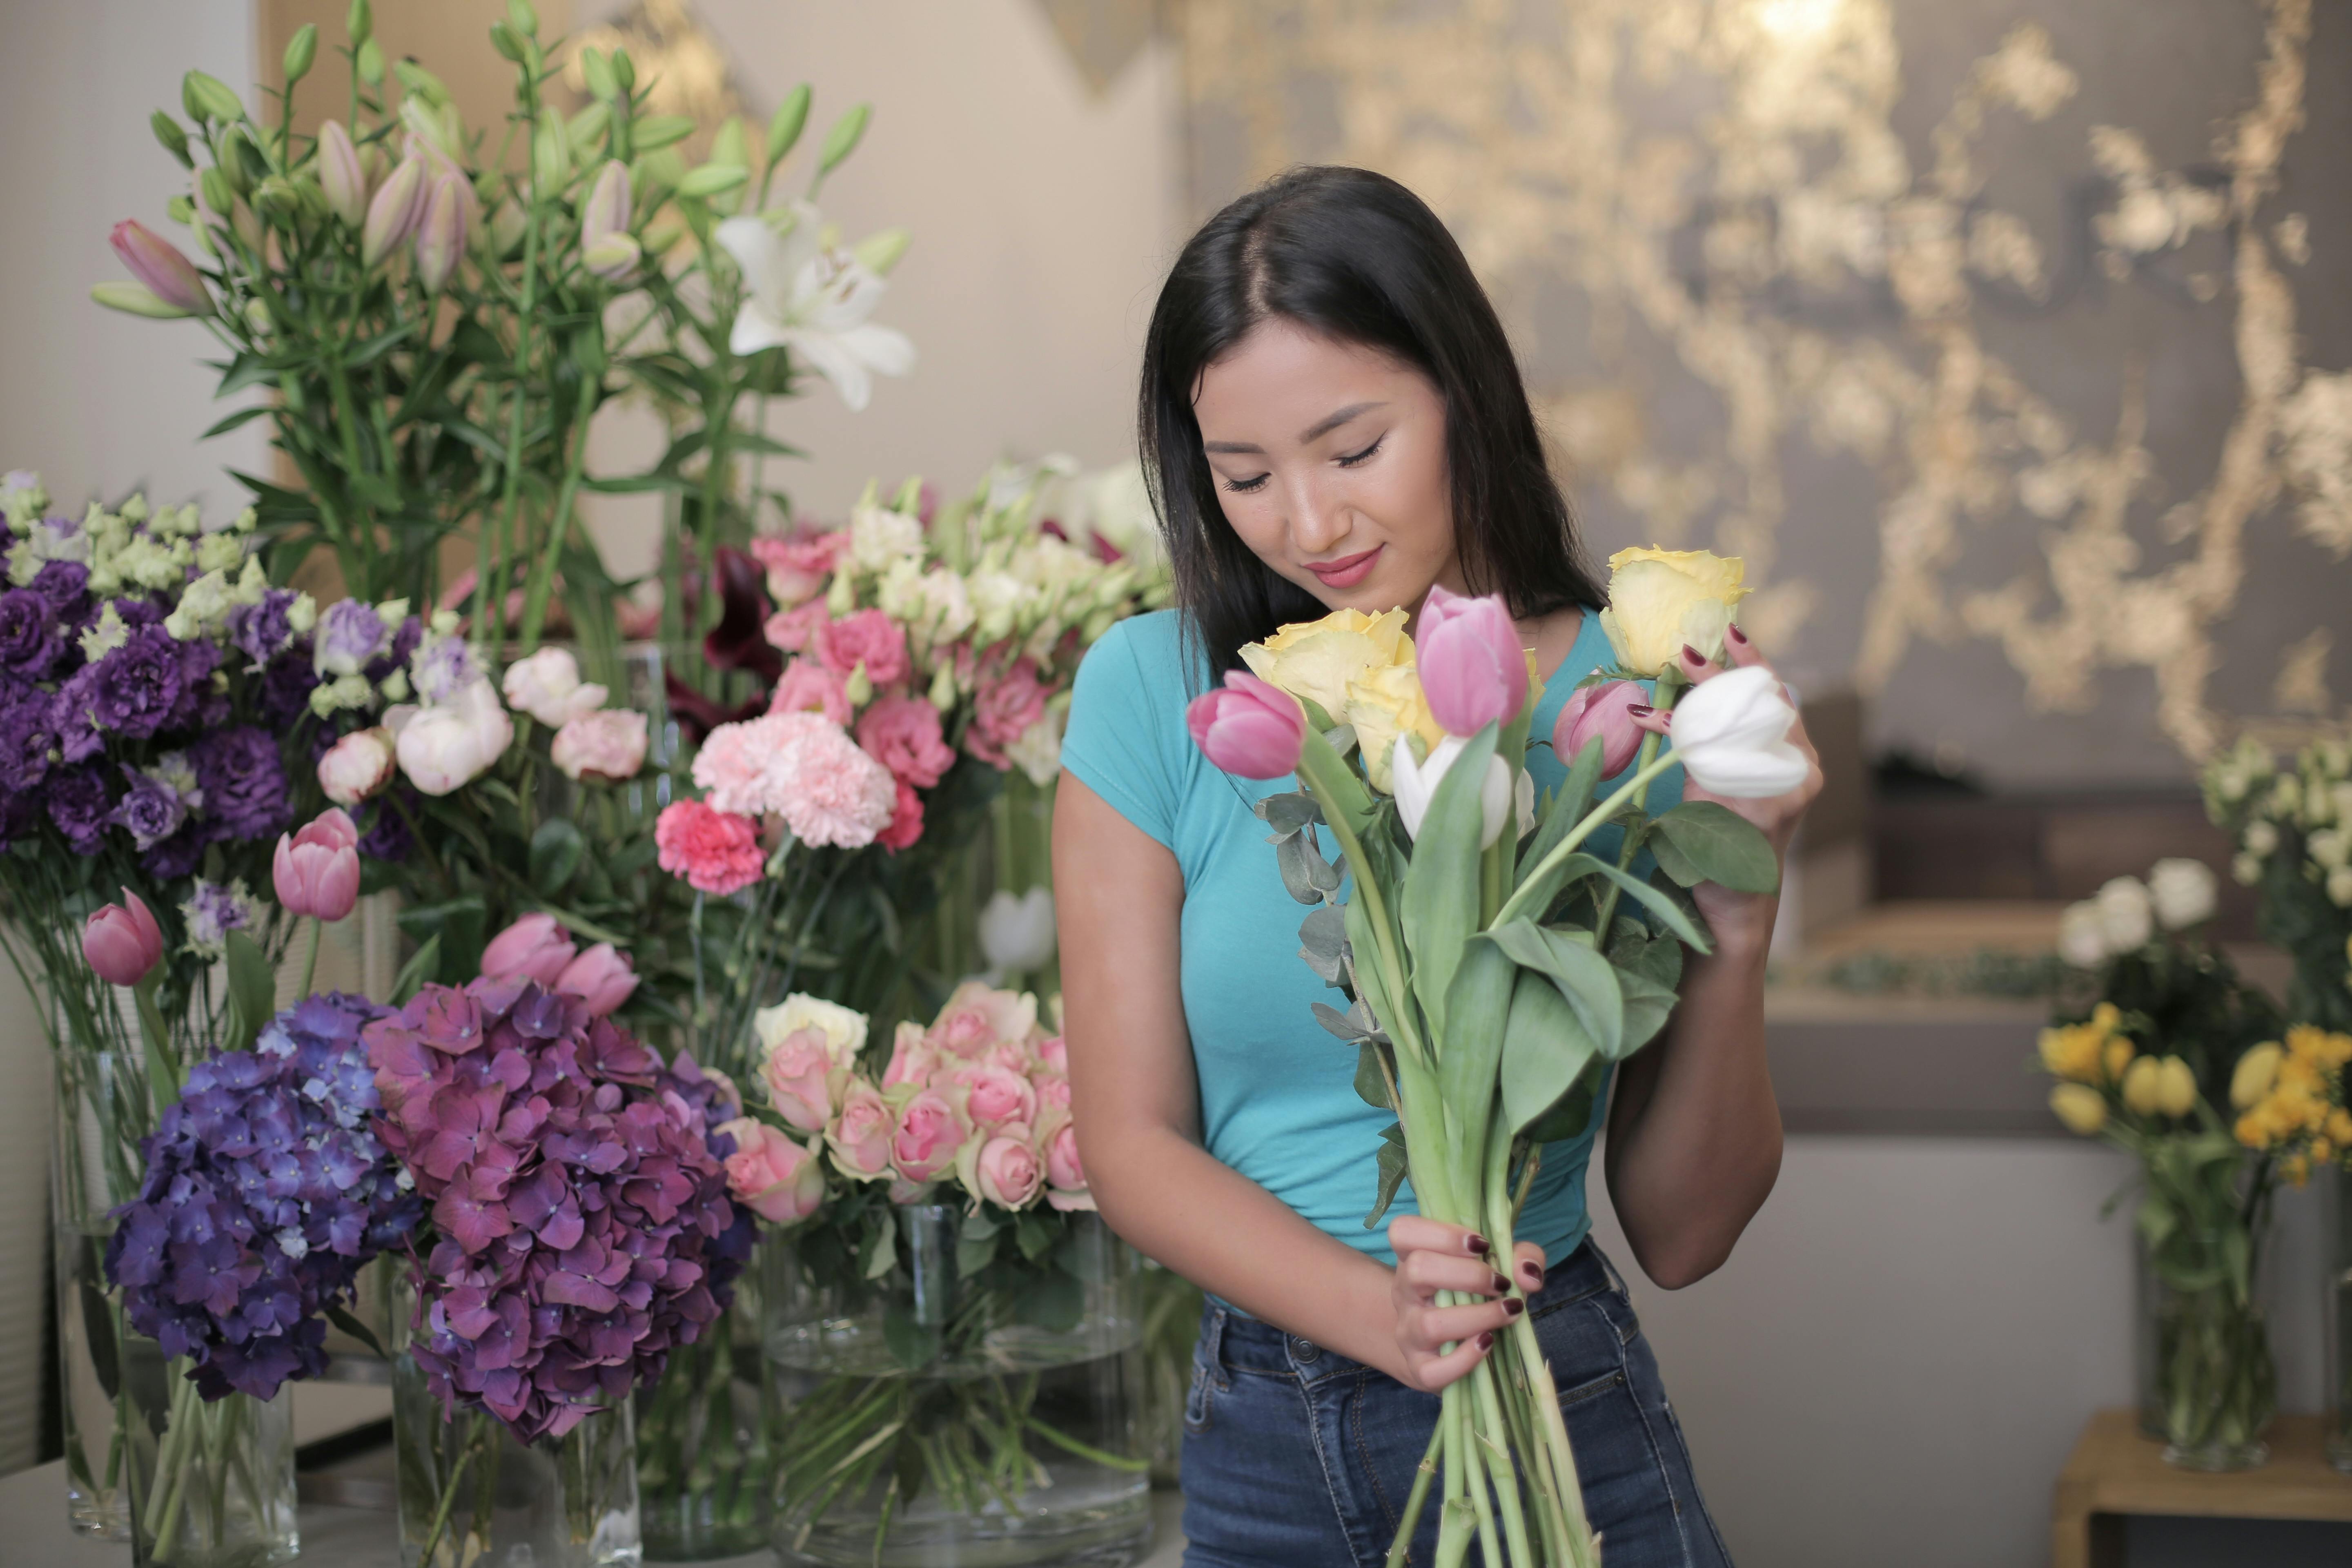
(977, 1016)
(912, 1058)
(1002, 712)
(535, 947)
(799, 1076)
(716, 851)
(1055, 1053)
(773, 1175)
(1064, 1171)
(903, 734)
(317, 869)
(357, 767)
(930, 1132)
(860, 1136)
(1005, 1169)
(123, 941)
(906, 823)
(602, 976)
(1473, 669)
(995, 1095)
(608, 744)
(868, 637)
(1249, 729)
(808, 687)
(1599, 712)
(793, 629)
(800, 566)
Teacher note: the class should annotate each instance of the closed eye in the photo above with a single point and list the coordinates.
(1365, 456)
(1245, 487)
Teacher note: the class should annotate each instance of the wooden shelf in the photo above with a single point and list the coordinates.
(2115, 1471)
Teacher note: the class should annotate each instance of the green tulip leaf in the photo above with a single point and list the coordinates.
(1393, 1173)
(1545, 1051)
(422, 965)
(1565, 809)
(252, 990)
(1585, 980)
(556, 850)
(1441, 885)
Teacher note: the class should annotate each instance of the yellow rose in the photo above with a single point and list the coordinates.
(2079, 1107)
(2176, 1088)
(1661, 599)
(2142, 1090)
(2254, 1074)
(1316, 659)
(1383, 703)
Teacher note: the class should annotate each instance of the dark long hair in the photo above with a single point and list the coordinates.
(1356, 257)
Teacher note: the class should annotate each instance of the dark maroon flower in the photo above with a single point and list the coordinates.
(739, 640)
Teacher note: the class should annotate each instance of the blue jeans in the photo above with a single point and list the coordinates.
(1295, 1456)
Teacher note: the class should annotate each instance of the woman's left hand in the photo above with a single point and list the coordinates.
(1745, 916)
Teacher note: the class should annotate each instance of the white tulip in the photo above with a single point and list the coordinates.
(2125, 913)
(1416, 787)
(2182, 891)
(2083, 936)
(1016, 934)
(1730, 734)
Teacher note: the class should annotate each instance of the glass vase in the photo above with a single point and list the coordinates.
(2203, 1337)
(209, 1484)
(89, 1173)
(2335, 1256)
(471, 1496)
(707, 1431)
(931, 1420)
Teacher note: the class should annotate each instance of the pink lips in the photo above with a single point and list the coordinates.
(1349, 570)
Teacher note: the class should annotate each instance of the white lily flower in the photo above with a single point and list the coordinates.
(1731, 736)
(815, 302)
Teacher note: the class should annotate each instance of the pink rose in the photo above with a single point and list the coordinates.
(123, 941)
(601, 975)
(906, 823)
(930, 1132)
(357, 767)
(792, 630)
(996, 1095)
(808, 687)
(1053, 1088)
(1002, 712)
(715, 851)
(608, 744)
(548, 687)
(798, 1074)
(773, 1176)
(860, 1136)
(534, 948)
(1055, 1053)
(799, 566)
(868, 637)
(912, 1058)
(1063, 1167)
(977, 1016)
(1005, 1170)
(317, 869)
(903, 734)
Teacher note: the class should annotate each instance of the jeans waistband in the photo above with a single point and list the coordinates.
(1232, 1341)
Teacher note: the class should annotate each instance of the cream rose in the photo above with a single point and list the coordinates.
(1660, 600)
(1315, 660)
(1384, 702)
(844, 1029)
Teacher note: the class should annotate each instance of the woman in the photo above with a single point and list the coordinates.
(1332, 419)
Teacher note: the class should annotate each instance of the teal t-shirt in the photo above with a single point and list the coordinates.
(1278, 1101)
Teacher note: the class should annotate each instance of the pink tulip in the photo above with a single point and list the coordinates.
(602, 976)
(799, 1076)
(773, 1175)
(930, 1132)
(155, 262)
(317, 869)
(534, 948)
(1249, 729)
(1473, 670)
(1599, 712)
(122, 943)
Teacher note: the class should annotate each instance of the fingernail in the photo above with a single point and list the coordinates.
(1531, 1271)
(1514, 1306)
(1486, 1340)
(1501, 1286)
(1639, 710)
(1475, 1246)
(1736, 635)
(1692, 655)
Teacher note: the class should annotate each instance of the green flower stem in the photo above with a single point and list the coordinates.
(476, 1434)
(1663, 695)
(1416, 1498)
(1326, 776)
(543, 580)
(1070, 1445)
(310, 959)
(1516, 905)
(489, 602)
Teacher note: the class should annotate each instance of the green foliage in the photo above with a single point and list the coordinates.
(1701, 841)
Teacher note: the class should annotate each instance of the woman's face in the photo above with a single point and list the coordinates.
(1329, 460)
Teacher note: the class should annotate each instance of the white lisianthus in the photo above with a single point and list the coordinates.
(1731, 732)
(879, 537)
(2181, 891)
(1037, 751)
(947, 607)
(452, 743)
(548, 687)
(2126, 913)
(2261, 838)
(2328, 847)
(1416, 786)
(2245, 869)
(2340, 887)
(2083, 935)
(844, 1029)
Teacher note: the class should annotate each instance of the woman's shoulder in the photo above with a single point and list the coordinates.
(1142, 658)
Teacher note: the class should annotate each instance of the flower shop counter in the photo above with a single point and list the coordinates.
(1843, 1062)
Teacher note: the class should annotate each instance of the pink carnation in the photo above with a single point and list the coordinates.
(903, 734)
(716, 851)
(732, 765)
(867, 638)
(1003, 711)
(790, 629)
(799, 566)
(827, 790)
(809, 688)
(906, 823)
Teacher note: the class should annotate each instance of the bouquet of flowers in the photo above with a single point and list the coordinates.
(1494, 962)
(2294, 827)
(581, 1226)
(2168, 1035)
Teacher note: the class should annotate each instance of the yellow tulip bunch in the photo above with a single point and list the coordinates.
(2291, 1098)
(2098, 1067)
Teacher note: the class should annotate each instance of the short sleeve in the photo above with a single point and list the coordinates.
(1125, 739)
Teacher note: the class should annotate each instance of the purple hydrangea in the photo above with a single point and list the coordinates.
(577, 1207)
(32, 639)
(245, 795)
(267, 1190)
(80, 801)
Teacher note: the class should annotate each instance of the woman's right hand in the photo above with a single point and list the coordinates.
(1432, 1257)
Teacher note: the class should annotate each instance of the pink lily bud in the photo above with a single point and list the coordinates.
(154, 261)
(601, 975)
(1473, 670)
(395, 212)
(606, 246)
(534, 948)
(339, 174)
(1249, 729)
(122, 943)
(317, 868)
(357, 767)
(1600, 713)
(441, 235)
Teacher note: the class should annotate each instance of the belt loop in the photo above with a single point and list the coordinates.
(1609, 1267)
(1213, 1341)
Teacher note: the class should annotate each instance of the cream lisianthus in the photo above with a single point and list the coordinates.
(1383, 703)
(1315, 660)
(1660, 600)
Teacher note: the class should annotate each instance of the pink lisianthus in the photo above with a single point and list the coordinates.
(808, 687)
(608, 744)
(995, 1095)
(906, 823)
(799, 566)
(929, 1131)
(602, 977)
(860, 1136)
(1002, 712)
(868, 637)
(716, 851)
(535, 947)
(792, 630)
(903, 734)
(799, 1074)
(776, 1178)
(913, 1058)
(317, 869)
(1003, 1169)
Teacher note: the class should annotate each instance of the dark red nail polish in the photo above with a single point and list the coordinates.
(1736, 635)
(1474, 1245)
(1486, 1340)
(1514, 1307)
(1693, 655)
(1501, 1286)
(1532, 1270)
(1639, 710)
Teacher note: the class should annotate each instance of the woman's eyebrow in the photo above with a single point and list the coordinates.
(1322, 427)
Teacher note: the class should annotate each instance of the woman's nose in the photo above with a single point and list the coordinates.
(1318, 521)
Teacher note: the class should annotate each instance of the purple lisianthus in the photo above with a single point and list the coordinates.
(405, 638)
(245, 795)
(157, 801)
(80, 801)
(444, 668)
(177, 855)
(73, 719)
(212, 910)
(66, 585)
(287, 683)
(20, 817)
(387, 837)
(151, 682)
(27, 739)
(267, 1190)
(582, 1222)
(350, 637)
(262, 631)
(31, 637)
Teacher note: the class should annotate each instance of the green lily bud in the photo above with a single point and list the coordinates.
(522, 19)
(395, 212)
(232, 163)
(180, 209)
(784, 126)
(135, 300)
(624, 70)
(507, 41)
(370, 62)
(277, 196)
(588, 353)
(943, 688)
(598, 71)
(300, 50)
(421, 82)
(214, 189)
(359, 22)
(174, 139)
(729, 145)
(711, 180)
(655, 176)
(504, 231)
(880, 252)
(441, 233)
(842, 140)
(587, 128)
(859, 687)
(657, 130)
(842, 597)
(660, 237)
(209, 97)
(550, 156)
(605, 209)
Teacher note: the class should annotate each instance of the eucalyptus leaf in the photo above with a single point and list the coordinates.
(1393, 1173)
(1372, 1071)
(1323, 942)
(1702, 841)
(1288, 813)
(1305, 875)
(1355, 1024)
